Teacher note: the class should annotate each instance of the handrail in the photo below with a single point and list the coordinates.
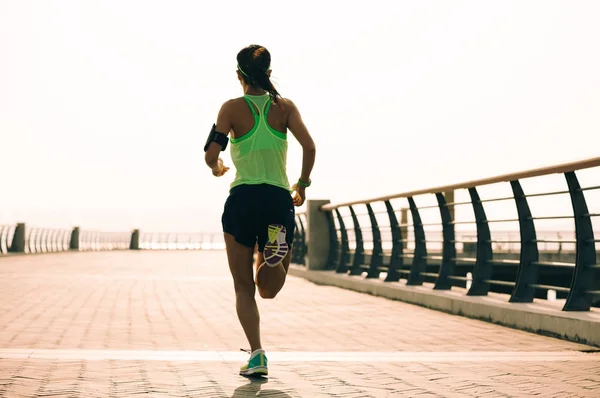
(557, 169)
(413, 251)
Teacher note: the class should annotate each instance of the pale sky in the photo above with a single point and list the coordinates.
(105, 105)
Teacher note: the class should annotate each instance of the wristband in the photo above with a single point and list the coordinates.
(303, 184)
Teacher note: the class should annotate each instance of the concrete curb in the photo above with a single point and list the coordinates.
(538, 317)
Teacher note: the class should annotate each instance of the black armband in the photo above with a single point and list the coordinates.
(215, 136)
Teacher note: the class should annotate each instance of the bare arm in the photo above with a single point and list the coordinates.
(299, 130)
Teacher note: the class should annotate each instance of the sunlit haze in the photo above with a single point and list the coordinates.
(105, 105)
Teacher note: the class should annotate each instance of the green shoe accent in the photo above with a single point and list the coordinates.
(274, 231)
(257, 365)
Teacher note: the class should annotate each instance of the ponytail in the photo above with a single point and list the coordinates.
(262, 80)
(254, 63)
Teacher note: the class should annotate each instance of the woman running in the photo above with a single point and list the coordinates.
(260, 207)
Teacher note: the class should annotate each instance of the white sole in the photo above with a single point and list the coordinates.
(258, 370)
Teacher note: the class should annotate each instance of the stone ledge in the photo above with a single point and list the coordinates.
(539, 317)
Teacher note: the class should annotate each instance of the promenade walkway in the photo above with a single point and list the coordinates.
(163, 324)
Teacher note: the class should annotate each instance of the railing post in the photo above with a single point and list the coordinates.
(449, 246)
(3, 239)
(38, 240)
(66, 240)
(396, 260)
(344, 259)
(296, 243)
(419, 264)
(47, 246)
(483, 268)
(449, 197)
(317, 239)
(60, 240)
(18, 242)
(303, 249)
(81, 239)
(359, 251)
(56, 234)
(44, 241)
(527, 275)
(134, 244)
(52, 240)
(32, 240)
(93, 241)
(377, 254)
(84, 242)
(404, 226)
(586, 277)
(53, 245)
(334, 244)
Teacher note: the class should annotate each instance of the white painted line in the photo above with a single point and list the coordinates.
(117, 276)
(298, 356)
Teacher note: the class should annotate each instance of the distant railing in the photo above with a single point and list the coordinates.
(29, 240)
(431, 244)
(181, 241)
(299, 245)
(6, 237)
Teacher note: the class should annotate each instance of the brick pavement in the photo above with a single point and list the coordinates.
(184, 301)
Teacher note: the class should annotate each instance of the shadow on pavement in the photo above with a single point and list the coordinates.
(254, 389)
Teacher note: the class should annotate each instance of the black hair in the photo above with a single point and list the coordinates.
(254, 62)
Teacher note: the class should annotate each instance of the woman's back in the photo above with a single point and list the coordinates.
(258, 121)
(243, 119)
(259, 142)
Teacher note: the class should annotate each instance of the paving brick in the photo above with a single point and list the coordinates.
(184, 301)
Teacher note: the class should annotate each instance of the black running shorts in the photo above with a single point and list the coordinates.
(250, 209)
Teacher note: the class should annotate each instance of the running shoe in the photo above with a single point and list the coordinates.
(276, 248)
(256, 366)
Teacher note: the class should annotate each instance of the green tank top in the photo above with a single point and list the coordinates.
(260, 156)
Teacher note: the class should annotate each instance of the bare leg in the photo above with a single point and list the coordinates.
(270, 280)
(240, 265)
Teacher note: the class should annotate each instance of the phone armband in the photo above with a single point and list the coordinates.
(215, 136)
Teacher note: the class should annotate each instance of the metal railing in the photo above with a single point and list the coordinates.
(181, 241)
(29, 240)
(6, 237)
(45, 240)
(367, 238)
(299, 248)
(100, 240)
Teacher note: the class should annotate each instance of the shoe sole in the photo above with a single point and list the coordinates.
(256, 371)
(276, 248)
